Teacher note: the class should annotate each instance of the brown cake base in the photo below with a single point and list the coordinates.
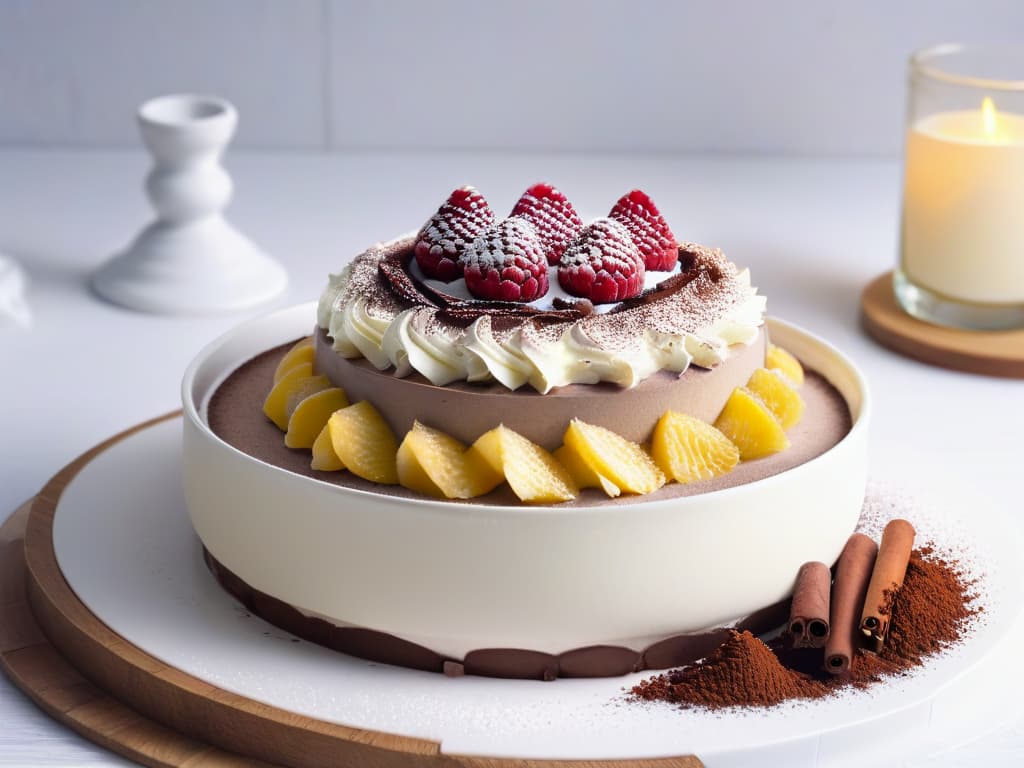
(593, 661)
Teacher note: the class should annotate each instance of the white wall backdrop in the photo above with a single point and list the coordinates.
(791, 76)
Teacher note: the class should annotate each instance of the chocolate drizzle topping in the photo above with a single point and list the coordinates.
(692, 259)
(396, 275)
(695, 268)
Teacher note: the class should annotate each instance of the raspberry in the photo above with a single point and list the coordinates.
(442, 240)
(506, 263)
(552, 215)
(648, 229)
(602, 264)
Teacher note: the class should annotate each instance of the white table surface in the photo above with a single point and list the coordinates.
(813, 232)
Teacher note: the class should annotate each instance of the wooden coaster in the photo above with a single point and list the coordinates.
(86, 676)
(993, 353)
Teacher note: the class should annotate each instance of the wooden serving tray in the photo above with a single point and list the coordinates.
(86, 676)
(993, 353)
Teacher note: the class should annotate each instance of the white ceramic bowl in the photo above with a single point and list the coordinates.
(457, 577)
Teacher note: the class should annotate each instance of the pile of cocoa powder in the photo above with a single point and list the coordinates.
(931, 611)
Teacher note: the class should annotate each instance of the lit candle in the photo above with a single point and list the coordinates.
(963, 206)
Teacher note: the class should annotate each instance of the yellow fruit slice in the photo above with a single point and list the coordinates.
(488, 448)
(751, 426)
(302, 389)
(584, 476)
(624, 463)
(411, 474)
(302, 352)
(779, 359)
(310, 416)
(276, 404)
(688, 449)
(364, 443)
(533, 474)
(324, 457)
(775, 390)
(437, 464)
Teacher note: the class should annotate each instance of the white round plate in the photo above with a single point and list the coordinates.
(123, 541)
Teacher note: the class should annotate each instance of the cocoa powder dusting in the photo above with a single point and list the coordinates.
(929, 613)
(742, 671)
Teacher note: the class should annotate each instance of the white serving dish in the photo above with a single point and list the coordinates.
(458, 577)
(146, 580)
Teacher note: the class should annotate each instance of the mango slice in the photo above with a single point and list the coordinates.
(276, 405)
(302, 389)
(364, 443)
(488, 447)
(775, 390)
(411, 474)
(324, 457)
(302, 352)
(623, 462)
(533, 474)
(779, 359)
(584, 476)
(310, 416)
(688, 449)
(749, 423)
(436, 464)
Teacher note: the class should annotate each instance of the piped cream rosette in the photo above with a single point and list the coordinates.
(693, 322)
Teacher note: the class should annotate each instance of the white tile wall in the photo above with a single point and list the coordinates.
(72, 72)
(796, 76)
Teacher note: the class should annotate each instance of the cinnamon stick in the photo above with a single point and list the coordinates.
(853, 571)
(808, 613)
(886, 579)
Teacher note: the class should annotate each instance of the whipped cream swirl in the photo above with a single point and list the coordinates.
(378, 308)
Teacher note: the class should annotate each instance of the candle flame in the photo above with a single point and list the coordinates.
(988, 117)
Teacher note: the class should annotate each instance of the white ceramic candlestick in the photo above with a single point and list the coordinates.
(190, 259)
(13, 283)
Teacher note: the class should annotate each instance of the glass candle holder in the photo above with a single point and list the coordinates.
(962, 229)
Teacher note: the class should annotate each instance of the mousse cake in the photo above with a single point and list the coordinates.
(527, 447)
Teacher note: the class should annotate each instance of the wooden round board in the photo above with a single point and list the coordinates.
(993, 353)
(86, 676)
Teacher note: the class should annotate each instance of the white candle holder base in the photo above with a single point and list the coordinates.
(205, 266)
(190, 259)
(13, 285)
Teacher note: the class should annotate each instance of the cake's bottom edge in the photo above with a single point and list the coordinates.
(591, 661)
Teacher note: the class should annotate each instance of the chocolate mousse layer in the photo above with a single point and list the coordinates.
(466, 411)
(235, 415)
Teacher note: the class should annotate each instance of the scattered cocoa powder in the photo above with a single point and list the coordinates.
(742, 671)
(929, 613)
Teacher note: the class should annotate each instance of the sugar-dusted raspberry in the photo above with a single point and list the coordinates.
(648, 229)
(506, 263)
(552, 215)
(602, 264)
(442, 240)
